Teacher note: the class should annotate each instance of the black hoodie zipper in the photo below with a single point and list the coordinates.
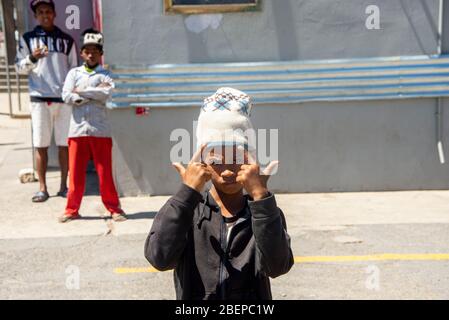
(224, 244)
(222, 259)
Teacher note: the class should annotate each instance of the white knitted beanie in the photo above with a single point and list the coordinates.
(224, 120)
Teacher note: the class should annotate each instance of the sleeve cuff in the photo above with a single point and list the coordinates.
(32, 59)
(78, 100)
(188, 196)
(264, 208)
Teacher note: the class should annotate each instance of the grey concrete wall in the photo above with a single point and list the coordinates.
(357, 146)
(137, 32)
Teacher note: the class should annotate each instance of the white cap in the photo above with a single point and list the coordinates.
(224, 120)
(92, 38)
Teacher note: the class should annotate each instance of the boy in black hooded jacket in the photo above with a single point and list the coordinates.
(222, 243)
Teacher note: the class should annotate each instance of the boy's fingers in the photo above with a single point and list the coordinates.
(239, 179)
(179, 167)
(271, 168)
(251, 159)
(104, 85)
(198, 154)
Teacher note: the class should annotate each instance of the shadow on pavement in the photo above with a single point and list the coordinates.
(142, 215)
(131, 216)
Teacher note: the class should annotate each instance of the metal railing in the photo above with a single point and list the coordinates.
(13, 85)
(284, 82)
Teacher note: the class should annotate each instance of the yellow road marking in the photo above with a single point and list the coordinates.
(375, 257)
(315, 259)
(135, 270)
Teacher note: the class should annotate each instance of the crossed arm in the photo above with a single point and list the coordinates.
(71, 94)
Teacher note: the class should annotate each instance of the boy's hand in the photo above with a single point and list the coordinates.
(104, 85)
(196, 174)
(254, 181)
(39, 53)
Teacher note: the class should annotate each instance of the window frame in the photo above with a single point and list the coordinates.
(170, 8)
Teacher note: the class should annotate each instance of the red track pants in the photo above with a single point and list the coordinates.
(81, 150)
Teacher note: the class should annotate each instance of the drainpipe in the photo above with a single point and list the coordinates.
(439, 131)
(19, 101)
(8, 79)
(439, 117)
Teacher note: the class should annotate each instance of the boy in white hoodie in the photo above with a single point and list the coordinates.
(46, 54)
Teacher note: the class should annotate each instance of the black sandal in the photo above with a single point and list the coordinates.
(62, 193)
(40, 196)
